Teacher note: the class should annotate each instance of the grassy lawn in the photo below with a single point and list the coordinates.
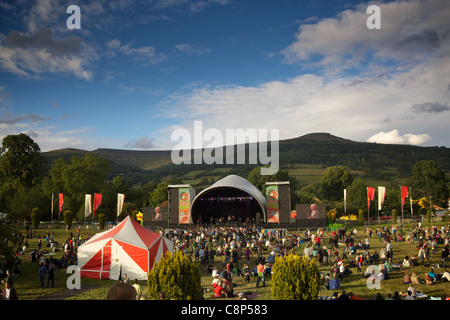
(28, 285)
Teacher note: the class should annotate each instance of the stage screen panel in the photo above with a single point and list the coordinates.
(273, 212)
(184, 206)
(155, 214)
(311, 215)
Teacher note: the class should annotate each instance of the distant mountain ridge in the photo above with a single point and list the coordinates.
(319, 148)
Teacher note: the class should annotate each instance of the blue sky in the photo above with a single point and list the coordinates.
(137, 70)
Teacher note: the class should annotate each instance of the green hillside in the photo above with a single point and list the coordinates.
(305, 158)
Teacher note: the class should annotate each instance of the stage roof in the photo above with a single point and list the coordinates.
(237, 182)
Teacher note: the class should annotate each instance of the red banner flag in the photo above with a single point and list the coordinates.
(97, 201)
(404, 195)
(61, 201)
(370, 195)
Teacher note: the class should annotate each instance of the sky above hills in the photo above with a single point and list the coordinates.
(138, 70)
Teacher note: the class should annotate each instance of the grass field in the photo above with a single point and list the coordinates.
(28, 285)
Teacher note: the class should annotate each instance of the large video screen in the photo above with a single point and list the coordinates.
(311, 215)
(155, 214)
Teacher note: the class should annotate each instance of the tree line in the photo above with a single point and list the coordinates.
(26, 185)
(427, 181)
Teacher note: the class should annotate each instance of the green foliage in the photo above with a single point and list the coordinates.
(160, 193)
(361, 216)
(80, 176)
(259, 181)
(295, 278)
(429, 216)
(334, 180)
(335, 226)
(101, 221)
(307, 194)
(68, 218)
(134, 214)
(394, 216)
(25, 199)
(392, 198)
(428, 179)
(177, 276)
(21, 166)
(7, 232)
(35, 219)
(21, 161)
(356, 196)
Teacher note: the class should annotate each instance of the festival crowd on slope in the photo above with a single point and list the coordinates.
(250, 251)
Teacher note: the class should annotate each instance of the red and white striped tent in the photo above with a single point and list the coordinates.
(128, 248)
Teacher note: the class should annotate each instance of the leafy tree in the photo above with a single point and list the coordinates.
(428, 179)
(307, 193)
(259, 181)
(75, 179)
(356, 196)
(21, 162)
(7, 232)
(177, 276)
(392, 198)
(68, 218)
(101, 221)
(394, 216)
(21, 165)
(361, 216)
(25, 199)
(35, 218)
(295, 278)
(334, 180)
(160, 193)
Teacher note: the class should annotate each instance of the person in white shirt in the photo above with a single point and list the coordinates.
(409, 296)
(412, 290)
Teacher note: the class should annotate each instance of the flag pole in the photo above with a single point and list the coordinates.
(52, 208)
(378, 207)
(368, 211)
(411, 202)
(403, 204)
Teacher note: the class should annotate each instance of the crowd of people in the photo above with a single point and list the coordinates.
(42, 256)
(248, 252)
(380, 264)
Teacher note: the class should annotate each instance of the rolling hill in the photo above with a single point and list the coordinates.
(304, 157)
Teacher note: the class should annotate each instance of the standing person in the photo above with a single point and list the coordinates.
(444, 256)
(9, 278)
(51, 273)
(383, 255)
(138, 288)
(9, 293)
(261, 276)
(42, 271)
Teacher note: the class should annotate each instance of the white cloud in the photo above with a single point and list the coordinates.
(192, 49)
(33, 55)
(393, 137)
(142, 143)
(411, 90)
(410, 30)
(146, 54)
(350, 107)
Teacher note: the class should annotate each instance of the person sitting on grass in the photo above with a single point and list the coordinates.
(219, 291)
(406, 278)
(428, 279)
(415, 279)
(432, 274)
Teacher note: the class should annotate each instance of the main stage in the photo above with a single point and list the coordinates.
(233, 201)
